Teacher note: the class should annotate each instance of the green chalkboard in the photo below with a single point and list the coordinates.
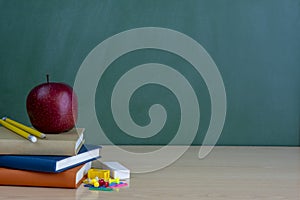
(254, 44)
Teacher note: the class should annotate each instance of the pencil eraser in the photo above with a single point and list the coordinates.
(116, 170)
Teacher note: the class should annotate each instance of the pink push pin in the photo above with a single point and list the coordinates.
(119, 185)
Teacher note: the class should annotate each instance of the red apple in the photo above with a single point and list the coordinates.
(52, 107)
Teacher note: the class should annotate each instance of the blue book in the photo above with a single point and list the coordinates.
(52, 164)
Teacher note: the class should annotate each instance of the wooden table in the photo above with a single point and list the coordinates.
(227, 173)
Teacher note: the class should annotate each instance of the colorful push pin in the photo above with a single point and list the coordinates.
(106, 184)
(101, 182)
(116, 180)
(93, 181)
(87, 181)
(88, 185)
(96, 184)
(119, 185)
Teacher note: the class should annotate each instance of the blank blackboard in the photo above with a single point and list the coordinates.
(254, 43)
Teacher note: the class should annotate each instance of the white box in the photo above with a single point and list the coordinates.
(116, 170)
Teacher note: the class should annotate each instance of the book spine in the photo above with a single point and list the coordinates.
(28, 178)
(66, 148)
(68, 179)
(27, 163)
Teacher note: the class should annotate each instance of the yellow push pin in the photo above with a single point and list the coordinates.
(116, 180)
(87, 181)
(96, 184)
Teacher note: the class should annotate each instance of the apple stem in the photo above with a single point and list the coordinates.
(47, 76)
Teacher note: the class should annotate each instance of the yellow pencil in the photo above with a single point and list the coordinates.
(25, 128)
(18, 131)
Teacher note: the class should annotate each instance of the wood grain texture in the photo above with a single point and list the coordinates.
(227, 173)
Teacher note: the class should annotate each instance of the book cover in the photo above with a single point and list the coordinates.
(52, 164)
(67, 143)
(70, 178)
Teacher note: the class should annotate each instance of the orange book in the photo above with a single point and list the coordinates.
(70, 178)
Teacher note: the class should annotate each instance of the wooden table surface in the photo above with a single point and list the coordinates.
(226, 173)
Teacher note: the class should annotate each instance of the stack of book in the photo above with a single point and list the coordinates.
(59, 160)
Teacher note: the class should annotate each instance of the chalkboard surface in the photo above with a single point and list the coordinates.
(254, 43)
